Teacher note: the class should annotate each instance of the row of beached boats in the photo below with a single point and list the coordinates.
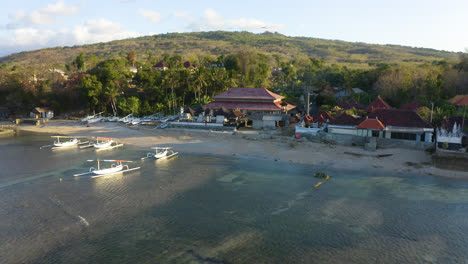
(129, 119)
(105, 143)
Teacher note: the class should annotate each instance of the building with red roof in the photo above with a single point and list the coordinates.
(463, 101)
(265, 108)
(249, 100)
(344, 124)
(370, 127)
(161, 66)
(403, 124)
(378, 103)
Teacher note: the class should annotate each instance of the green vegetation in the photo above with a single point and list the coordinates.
(100, 79)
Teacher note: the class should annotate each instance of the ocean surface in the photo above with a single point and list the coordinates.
(208, 209)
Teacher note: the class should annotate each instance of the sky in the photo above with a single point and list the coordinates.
(28, 25)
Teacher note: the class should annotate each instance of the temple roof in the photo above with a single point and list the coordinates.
(345, 120)
(248, 93)
(250, 106)
(378, 103)
(399, 118)
(371, 124)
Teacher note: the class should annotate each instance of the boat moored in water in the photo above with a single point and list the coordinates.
(67, 142)
(116, 167)
(161, 153)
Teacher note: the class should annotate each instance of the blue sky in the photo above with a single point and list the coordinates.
(27, 25)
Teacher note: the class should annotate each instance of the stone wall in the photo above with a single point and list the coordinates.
(350, 140)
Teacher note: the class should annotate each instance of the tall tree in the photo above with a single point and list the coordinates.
(131, 57)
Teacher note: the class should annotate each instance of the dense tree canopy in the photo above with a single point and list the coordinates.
(109, 85)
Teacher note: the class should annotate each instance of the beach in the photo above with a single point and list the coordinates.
(255, 145)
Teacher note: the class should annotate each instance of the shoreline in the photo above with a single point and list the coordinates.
(253, 145)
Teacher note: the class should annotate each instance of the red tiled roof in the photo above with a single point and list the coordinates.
(248, 93)
(378, 103)
(252, 106)
(462, 101)
(345, 120)
(161, 64)
(350, 103)
(399, 118)
(371, 124)
(322, 116)
(456, 98)
(411, 106)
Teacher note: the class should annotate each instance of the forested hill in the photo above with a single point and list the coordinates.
(203, 44)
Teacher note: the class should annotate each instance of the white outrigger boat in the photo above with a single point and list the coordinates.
(161, 153)
(103, 143)
(91, 117)
(68, 142)
(115, 168)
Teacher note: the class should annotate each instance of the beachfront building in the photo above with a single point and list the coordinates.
(450, 134)
(344, 124)
(403, 124)
(370, 127)
(41, 112)
(265, 108)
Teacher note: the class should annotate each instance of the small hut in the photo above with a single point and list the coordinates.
(41, 112)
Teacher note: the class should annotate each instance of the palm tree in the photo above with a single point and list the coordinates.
(112, 93)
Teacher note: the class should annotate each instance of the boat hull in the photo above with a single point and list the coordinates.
(108, 170)
(103, 144)
(66, 143)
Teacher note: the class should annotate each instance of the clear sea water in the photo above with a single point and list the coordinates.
(208, 209)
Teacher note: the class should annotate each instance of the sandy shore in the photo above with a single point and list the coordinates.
(255, 145)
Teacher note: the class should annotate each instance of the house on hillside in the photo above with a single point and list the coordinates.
(161, 66)
(265, 108)
(378, 103)
(344, 124)
(133, 69)
(41, 112)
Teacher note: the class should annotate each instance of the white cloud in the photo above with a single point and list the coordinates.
(211, 20)
(254, 24)
(101, 30)
(151, 16)
(43, 16)
(92, 31)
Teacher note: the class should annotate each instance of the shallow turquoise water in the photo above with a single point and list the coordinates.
(207, 209)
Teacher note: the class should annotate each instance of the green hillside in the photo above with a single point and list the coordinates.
(202, 44)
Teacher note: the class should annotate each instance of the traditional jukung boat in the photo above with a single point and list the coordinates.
(116, 167)
(161, 153)
(103, 143)
(92, 118)
(68, 142)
